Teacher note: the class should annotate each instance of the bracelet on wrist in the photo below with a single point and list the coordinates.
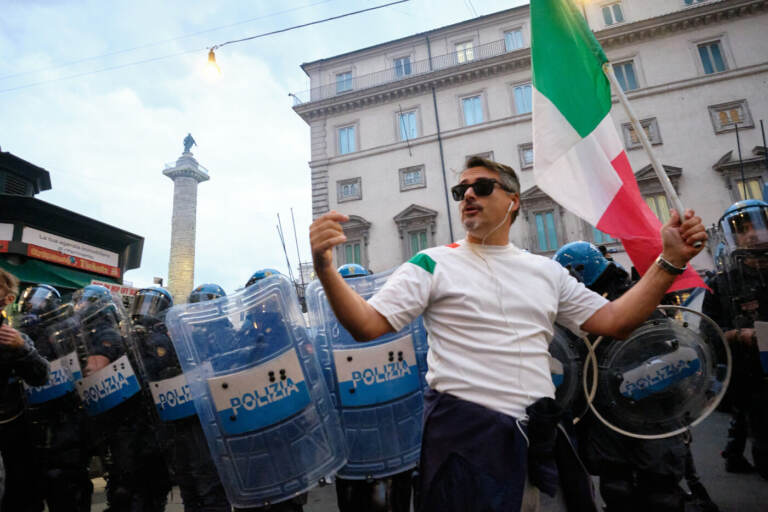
(668, 267)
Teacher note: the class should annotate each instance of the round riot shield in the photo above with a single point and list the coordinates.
(565, 365)
(109, 378)
(666, 377)
(56, 336)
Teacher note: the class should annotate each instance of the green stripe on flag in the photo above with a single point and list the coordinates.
(567, 64)
(424, 261)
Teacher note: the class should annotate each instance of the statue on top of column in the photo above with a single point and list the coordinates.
(189, 141)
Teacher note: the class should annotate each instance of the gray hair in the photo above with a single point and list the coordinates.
(507, 175)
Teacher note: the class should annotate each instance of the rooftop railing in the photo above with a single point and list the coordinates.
(346, 85)
(172, 165)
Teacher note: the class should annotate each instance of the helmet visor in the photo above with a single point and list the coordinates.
(149, 305)
(202, 296)
(747, 228)
(37, 300)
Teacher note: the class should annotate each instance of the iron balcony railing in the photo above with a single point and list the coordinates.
(402, 72)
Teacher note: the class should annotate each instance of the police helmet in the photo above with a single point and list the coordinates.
(206, 292)
(745, 225)
(352, 270)
(91, 300)
(583, 259)
(261, 274)
(39, 300)
(150, 303)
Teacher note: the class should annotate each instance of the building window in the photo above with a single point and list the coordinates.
(347, 140)
(352, 253)
(465, 52)
(343, 82)
(523, 99)
(546, 234)
(659, 206)
(752, 190)
(406, 125)
(651, 127)
(712, 59)
(416, 227)
(486, 154)
(526, 155)
(600, 238)
(418, 241)
(402, 67)
(473, 110)
(349, 190)
(625, 74)
(612, 14)
(412, 177)
(725, 116)
(513, 39)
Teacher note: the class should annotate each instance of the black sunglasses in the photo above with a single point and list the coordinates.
(481, 187)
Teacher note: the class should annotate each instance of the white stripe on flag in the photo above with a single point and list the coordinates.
(578, 173)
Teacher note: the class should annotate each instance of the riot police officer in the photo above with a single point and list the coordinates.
(19, 364)
(59, 424)
(390, 494)
(180, 433)
(634, 474)
(137, 478)
(249, 332)
(738, 300)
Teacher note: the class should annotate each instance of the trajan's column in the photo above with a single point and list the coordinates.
(186, 173)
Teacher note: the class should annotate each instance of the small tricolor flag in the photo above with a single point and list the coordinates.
(579, 159)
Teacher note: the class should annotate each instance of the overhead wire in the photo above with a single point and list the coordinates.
(214, 47)
(163, 41)
(185, 52)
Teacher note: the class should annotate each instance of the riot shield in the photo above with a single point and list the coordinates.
(258, 391)
(665, 378)
(377, 386)
(565, 365)
(104, 328)
(56, 336)
(161, 370)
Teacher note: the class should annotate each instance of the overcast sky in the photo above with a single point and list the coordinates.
(106, 135)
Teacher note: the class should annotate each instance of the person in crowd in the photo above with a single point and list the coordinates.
(738, 303)
(181, 438)
(635, 474)
(137, 476)
(490, 431)
(20, 364)
(58, 424)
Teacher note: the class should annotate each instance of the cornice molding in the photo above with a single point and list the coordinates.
(679, 21)
(685, 19)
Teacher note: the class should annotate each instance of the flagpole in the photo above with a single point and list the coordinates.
(669, 190)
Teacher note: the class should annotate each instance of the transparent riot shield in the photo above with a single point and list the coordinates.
(667, 377)
(259, 392)
(56, 336)
(377, 386)
(109, 377)
(161, 370)
(565, 365)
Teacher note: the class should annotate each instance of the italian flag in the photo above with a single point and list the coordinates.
(579, 159)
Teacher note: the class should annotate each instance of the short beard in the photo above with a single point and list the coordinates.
(471, 224)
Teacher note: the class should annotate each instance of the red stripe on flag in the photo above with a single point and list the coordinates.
(629, 218)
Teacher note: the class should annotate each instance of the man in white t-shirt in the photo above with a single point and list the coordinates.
(489, 309)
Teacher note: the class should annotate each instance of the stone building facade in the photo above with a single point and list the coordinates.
(392, 125)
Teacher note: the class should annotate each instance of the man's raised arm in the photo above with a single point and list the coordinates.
(354, 313)
(620, 317)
